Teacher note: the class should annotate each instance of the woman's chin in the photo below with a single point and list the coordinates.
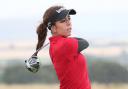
(69, 34)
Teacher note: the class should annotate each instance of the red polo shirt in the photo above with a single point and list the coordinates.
(70, 65)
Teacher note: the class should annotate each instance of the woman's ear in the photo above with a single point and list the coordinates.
(53, 29)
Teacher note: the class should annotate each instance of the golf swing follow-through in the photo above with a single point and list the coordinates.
(65, 51)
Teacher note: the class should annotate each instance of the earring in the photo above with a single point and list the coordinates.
(49, 25)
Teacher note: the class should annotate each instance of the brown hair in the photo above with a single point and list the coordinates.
(42, 28)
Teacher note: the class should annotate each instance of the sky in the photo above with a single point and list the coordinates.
(95, 19)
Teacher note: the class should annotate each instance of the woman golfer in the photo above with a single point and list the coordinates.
(70, 65)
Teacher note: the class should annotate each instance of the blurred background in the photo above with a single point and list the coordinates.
(104, 23)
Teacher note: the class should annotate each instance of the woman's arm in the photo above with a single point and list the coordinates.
(82, 44)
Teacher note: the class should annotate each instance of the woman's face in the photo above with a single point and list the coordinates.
(62, 27)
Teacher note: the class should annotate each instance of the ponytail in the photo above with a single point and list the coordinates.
(42, 33)
(42, 28)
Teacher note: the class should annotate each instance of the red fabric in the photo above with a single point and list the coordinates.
(70, 65)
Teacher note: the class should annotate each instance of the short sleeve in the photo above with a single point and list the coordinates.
(71, 47)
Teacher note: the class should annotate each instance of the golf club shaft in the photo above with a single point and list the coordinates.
(39, 49)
